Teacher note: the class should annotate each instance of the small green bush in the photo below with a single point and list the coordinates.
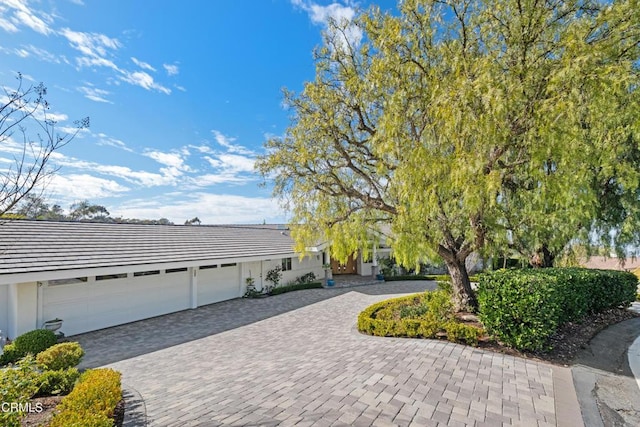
(459, 332)
(296, 287)
(306, 278)
(60, 356)
(32, 342)
(57, 382)
(9, 355)
(523, 308)
(92, 401)
(17, 385)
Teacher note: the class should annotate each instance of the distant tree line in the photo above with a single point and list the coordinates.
(34, 207)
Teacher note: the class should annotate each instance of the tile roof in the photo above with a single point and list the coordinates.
(36, 246)
(611, 263)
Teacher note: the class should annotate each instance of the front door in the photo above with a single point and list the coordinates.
(348, 268)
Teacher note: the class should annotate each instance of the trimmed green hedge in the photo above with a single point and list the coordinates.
(436, 277)
(296, 287)
(421, 316)
(523, 308)
(92, 401)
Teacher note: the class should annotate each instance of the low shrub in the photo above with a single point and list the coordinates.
(459, 332)
(523, 308)
(306, 278)
(424, 315)
(60, 356)
(17, 385)
(9, 354)
(32, 342)
(295, 287)
(436, 277)
(92, 401)
(56, 382)
(408, 277)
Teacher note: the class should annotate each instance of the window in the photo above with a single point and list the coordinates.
(112, 276)
(146, 273)
(233, 264)
(67, 281)
(175, 270)
(286, 264)
(206, 267)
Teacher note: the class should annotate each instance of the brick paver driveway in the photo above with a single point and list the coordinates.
(297, 359)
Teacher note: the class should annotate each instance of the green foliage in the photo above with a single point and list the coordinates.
(251, 291)
(17, 385)
(61, 356)
(9, 354)
(423, 315)
(306, 278)
(525, 114)
(295, 287)
(56, 382)
(523, 308)
(32, 342)
(273, 276)
(459, 332)
(92, 401)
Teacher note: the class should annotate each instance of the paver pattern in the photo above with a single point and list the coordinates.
(297, 359)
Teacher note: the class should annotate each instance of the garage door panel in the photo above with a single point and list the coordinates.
(218, 284)
(100, 304)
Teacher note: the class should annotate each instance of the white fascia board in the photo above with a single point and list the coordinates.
(39, 276)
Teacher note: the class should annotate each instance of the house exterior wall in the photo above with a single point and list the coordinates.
(22, 310)
(4, 310)
(95, 304)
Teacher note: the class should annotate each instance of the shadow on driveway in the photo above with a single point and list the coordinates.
(122, 342)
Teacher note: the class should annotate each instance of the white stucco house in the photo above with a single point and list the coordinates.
(97, 275)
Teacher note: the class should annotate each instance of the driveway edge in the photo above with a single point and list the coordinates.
(568, 411)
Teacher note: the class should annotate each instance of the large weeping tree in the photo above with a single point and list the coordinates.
(463, 125)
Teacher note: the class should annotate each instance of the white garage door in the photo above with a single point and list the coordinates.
(99, 304)
(218, 284)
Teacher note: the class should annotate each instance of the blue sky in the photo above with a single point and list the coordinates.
(181, 96)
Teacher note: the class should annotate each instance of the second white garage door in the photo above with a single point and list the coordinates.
(218, 283)
(97, 304)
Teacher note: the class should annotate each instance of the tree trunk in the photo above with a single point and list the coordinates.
(464, 299)
(543, 258)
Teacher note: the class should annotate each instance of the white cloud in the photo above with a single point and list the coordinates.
(210, 208)
(90, 44)
(6, 25)
(144, 80)
(142, 64)
(227, 142)
(341, 14)
(173, 160)
(83, 186)
(44, 55)
(22, 53)
(172, 69)
(17, 13)
(232, 162)
(95, 94)
(140, 178)
(106, 140)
